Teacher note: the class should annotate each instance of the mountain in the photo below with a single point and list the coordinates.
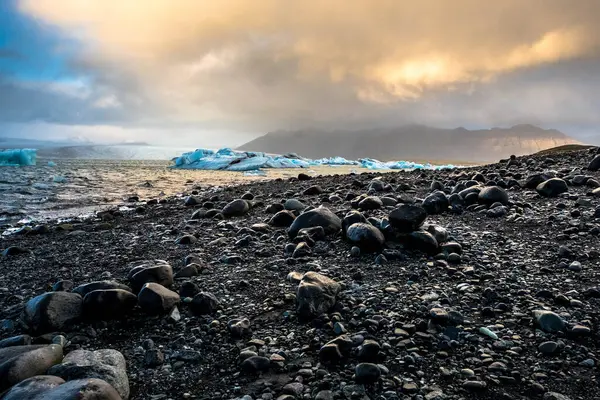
(412, 142)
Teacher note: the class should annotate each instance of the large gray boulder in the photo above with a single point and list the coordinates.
(321, 216)
(52, 311)
(552, 187)
(49, 388)
(18, 363)
(316, 294)
(107, 364)
(365, 236)
(33, 388)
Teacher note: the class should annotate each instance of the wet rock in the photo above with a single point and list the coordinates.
(594, 165)
(80, 389)
(555, 396)
(108, 304)
(14, 251)
(352, 217)
(20, 340)
(321, 216)
(52, 311)
(548, 348)
(157, 299)
(62, 286)
(316, 294)
(18, 363)
(186, 239)
(407, 218)
(313, 190)
(107, 365)
(552, 187)
(188, 271)
(188, 289)
(294, 205)
(365, 236)
(236, 208)
(423, 241)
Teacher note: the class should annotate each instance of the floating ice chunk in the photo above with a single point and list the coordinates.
(59, 179)
(229, 160)
(17, 157)
(256, 172)
(51, 164)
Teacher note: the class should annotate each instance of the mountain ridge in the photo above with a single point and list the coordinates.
(412, 142)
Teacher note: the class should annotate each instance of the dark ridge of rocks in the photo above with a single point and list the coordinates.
(471, 283)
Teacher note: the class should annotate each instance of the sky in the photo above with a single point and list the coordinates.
(208, 73)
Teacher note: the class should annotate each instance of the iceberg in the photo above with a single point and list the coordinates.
(17, 157)
(227, 159)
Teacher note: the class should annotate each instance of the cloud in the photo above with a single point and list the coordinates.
(266, 64)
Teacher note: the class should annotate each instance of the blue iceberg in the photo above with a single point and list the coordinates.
(17, 157)
(229, 160)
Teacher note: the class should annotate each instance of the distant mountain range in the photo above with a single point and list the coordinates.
(413, 143)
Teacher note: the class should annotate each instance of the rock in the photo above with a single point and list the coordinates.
(186, 239)
(548, 321)
(33, 388)
(153, 358)
(188, 289)
(493, 194)
(294, 205)
(352, 217)
(370, 203)
(82, 290)
(255, 364)
(157, 299)
(52, 311)
(552, 187)
(367, 373)
(423, 241)
(555, 396)
(81, 389)
(369, 350)
(62, 286)
(594, 165)
(236, 208)
(302, 249)
(204, 303)
(107, 364)
(407, 218)
(533, 181)
(283, 219)
(436, 203)
(160, 272)
(188, 271)
(239, 327)
(474, 385)
(304, 177)
(108, 304)
(14, 251)
(365, 236)
(321, 216)
(313, 190)
(18, 363)
(21, 340)
(548, 348)
(316, 294)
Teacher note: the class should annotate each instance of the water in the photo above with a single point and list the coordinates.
(75, 187)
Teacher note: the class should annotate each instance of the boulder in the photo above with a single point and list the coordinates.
(236, 208)
(108, 304)
(107, 364)
(158, 272)
(204, 303)
(18, 363)
(436, 203)
(407, 218)
(321, 216)
(33, 388)
(157, 299)
(493, 194)
(552, 187)
(82, 290)
(594, 165)
(316, 294)
(365, 236)
(52, 311)
(282, 219)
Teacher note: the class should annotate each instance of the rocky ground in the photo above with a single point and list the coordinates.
(477, 283)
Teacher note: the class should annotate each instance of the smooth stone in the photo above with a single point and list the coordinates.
(82, 290)
(407, 218)
(321, 216)
(157, 299)
(18, 363)
(316, 294)
(52, 311)
(108, 304)
(236, 208)
(365, 236)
